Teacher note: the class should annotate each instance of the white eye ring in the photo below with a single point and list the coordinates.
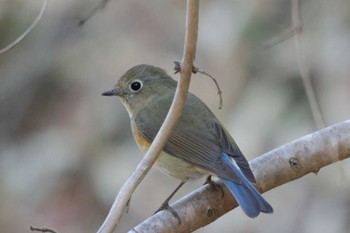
(136, 85)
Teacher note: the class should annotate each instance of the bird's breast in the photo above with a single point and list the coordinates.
(141, 142)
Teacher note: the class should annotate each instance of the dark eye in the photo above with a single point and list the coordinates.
(136, 85)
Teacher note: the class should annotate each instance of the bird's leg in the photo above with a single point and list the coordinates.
(166, 206)
(128, 206)
(214, 185)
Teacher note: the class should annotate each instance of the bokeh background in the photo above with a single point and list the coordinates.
(65, 150)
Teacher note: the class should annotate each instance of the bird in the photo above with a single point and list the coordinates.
(199, 144)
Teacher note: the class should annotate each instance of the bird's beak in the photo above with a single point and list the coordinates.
(112, 92)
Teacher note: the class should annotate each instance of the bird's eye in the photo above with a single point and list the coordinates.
(136, 85)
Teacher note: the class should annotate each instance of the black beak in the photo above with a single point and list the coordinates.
(112, 92)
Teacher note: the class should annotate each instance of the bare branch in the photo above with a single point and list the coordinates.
(279, 166)
(26, 32)
(156, 147)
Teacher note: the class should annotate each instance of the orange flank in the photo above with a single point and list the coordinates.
(142, 142)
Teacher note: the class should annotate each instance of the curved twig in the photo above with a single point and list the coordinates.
(26, 32)
(195, 70)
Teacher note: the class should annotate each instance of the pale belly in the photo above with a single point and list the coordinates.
(178, 168)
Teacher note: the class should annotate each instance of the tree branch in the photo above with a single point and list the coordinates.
(156, 147)
(279, 166)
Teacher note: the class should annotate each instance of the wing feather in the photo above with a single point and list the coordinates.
(198, 138)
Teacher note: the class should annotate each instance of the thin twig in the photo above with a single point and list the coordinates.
(283, 37)
(42, 229)
(26, 32)
(156, 147)
(99, 6)
(289, 162)
(216, 84)
(195, 70)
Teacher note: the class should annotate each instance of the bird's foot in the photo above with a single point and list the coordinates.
(215, 186)
(166, 206)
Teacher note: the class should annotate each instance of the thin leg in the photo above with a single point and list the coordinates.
(166, 206)
(214, 185)
(127, 206)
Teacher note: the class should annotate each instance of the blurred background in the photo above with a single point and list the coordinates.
(65, 150)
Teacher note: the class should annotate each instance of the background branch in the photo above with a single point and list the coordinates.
(156, 147)
(304, 71)
(102, 4)
(279, 166)
(27, 31)
(314, 104)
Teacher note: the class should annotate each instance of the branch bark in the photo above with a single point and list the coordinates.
(174, 113)
(279, 166)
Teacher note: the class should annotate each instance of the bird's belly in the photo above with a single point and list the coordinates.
(178, 168)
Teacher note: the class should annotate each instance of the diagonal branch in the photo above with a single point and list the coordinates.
(279, 166)
(145, 165)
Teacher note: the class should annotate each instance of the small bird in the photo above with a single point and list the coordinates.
(198, 146)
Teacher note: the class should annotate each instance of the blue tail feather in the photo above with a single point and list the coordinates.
(249, 199)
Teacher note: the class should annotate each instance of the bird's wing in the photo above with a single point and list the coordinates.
(198, 138)
(194, 149)
(230, 147)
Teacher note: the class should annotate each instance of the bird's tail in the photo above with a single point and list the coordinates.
(249, 199)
